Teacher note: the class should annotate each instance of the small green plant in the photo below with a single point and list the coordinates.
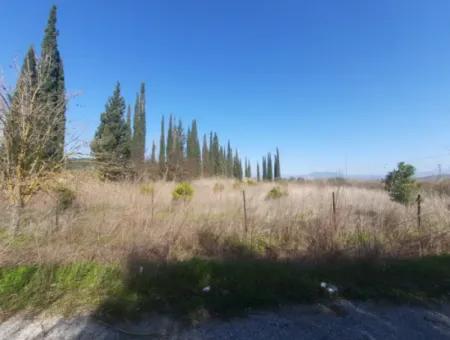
(183, 191)
(250, 182)
(146, 189)
(401, 185)
(275, 193)
(65, 196)
(218, 187)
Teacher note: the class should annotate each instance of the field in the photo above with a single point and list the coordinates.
(107, 222)
(121, 247)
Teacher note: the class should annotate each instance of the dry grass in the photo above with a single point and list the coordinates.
(109, 221)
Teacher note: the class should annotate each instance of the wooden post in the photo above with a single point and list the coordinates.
(245, 212)
(419, 223)
(333, 196)
(419, 213)
(153, 204)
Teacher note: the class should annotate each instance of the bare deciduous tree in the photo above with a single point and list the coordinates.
(26, 129)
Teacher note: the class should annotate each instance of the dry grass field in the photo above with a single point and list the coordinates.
(109, 221)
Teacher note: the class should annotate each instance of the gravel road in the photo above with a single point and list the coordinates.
(338, 320)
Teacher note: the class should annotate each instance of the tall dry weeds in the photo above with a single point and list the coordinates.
(108, 221)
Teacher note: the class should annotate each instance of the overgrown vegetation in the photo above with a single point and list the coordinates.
(233, 286)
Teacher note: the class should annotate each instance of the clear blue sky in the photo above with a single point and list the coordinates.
(358, 82)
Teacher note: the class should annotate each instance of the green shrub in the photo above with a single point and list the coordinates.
(275, 193)
(147, 189)
(218, 187)
(250, 182)
(401, 185)
(183, 191)
(65, 196)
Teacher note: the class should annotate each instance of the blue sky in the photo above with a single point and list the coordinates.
(349, 85)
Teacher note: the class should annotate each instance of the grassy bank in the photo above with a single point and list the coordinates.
(234, 286)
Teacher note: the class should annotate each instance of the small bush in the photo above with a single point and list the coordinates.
(237, 185)
(183, 191)
(218, 187)
(275, 193)
(65, 196)
(147, 189)
(401, 185)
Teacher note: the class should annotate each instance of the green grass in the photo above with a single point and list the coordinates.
(236, 286)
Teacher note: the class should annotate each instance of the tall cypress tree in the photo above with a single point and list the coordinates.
(264, 169)
(269, 167)
(205, 157)
(170, 143)
(139, 128)
(229, 160)
(194, 150)
(111, 144)
(277, 170)
(153, 154)
(258, 173)
(162, 150)
(52, 91)
(129, 122)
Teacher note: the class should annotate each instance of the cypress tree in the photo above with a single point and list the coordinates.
(229, 160)
(264, 169)
(52, 92)
(111, 144)
(162, 150)
(170, 143)
(258, 173)
(139, 128)
(215, 153)
(195, 154)
(237, 166)
(153, 154)
(277, 171)
(269, 167)
(129, 122)
(205, 157)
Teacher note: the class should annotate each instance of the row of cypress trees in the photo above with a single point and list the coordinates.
(269, 171)
(119, 148)
(180, 154)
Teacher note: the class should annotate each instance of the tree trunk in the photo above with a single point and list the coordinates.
(16, 217)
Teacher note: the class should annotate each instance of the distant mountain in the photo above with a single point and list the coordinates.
(328, 175)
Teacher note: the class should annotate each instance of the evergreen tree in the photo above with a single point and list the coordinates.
(215, 155)
(162, 150)
(229, 160)
(129, 122)
(269, 167)
(237, 166)
(170, 143)
(194, 154)
(277, 171)
(111, 144)
(139, 128)
(52, 90)
(258, 173)
(264, 169)
(205, 157)
(153, 154)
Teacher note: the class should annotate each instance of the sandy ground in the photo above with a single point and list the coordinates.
(338, 320)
